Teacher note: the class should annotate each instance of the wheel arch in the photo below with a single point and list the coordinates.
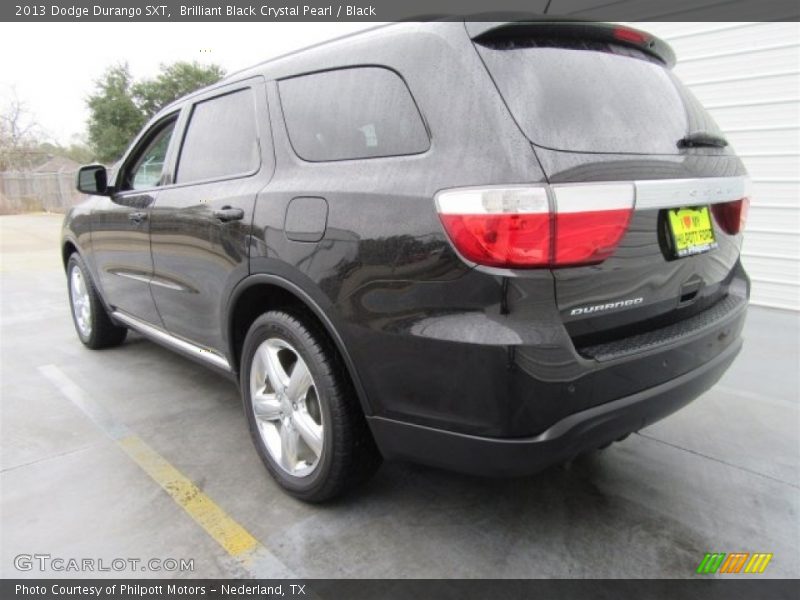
(68, 248)
(262, 292)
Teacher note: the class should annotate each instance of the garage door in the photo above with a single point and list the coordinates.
(748, 76)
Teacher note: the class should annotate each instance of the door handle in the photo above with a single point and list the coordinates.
(229, 213)
(137, 217)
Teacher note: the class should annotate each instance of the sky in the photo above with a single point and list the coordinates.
(51, 67)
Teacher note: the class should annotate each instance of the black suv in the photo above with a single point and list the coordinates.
(481, 246)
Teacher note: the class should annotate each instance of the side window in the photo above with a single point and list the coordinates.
(221, 139)
(364, 112)
(145, 172)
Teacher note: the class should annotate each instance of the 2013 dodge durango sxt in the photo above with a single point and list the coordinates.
(482, 246)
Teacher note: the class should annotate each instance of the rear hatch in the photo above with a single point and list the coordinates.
(612, 127)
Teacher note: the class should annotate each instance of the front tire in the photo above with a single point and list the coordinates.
(304, 418)
(92, 324)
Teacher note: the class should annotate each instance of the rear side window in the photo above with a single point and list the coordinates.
(221, 140)
(364, 112)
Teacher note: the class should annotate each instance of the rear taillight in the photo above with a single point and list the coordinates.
(498, 227)
(590, 221)
(530, 227)
(731, 216)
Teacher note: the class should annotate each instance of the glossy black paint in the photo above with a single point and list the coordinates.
(92, 179)
(428, 339)
(120, 233)
(121, 251)
(580, 432)
(639, 268)
(199, 248)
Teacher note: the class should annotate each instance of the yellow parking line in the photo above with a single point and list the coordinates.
(223, 529)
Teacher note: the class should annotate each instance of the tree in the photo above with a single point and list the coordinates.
(174, 81)
(120, 106)
(76, 150)
(114, 117)
(25, 145)
(19, 135)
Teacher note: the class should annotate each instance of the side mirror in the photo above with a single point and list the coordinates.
(93, 179)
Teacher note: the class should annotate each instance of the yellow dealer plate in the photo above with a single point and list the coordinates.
(692, 231)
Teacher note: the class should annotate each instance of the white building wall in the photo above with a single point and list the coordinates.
(748, 76)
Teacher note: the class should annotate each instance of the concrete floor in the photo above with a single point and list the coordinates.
(722, 475)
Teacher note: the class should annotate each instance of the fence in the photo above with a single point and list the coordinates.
(25, 191)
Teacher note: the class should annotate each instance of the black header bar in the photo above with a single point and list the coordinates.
(395, 10)
(699, 588)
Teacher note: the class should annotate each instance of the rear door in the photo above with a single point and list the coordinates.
(200, 226)
(613, 128)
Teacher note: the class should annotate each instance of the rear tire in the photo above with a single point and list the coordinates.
(303, 414)
(92, 324)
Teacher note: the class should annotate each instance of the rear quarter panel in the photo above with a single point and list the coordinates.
(384, 268)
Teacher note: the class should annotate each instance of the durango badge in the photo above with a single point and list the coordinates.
(585, 310)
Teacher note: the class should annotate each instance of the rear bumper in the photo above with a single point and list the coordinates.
(578, 432)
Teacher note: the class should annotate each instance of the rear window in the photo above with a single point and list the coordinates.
(594, 97)
(364, 112)
(221, 140)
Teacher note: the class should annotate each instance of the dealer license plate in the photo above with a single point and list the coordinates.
(692, 230)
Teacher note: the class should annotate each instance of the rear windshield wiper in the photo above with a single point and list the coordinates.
(702, 138)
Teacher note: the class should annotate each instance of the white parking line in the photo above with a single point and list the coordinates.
(240, 545)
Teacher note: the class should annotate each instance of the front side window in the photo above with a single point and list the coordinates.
(146, 170)
(221, 140)
(364, 112)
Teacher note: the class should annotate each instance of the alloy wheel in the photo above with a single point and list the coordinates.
(81, 302)
(285, 401)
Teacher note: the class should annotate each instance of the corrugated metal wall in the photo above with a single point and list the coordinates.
(748, 76)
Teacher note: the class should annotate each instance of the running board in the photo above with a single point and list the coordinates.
(167, 339)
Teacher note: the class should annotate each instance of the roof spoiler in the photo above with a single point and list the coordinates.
(491, 32)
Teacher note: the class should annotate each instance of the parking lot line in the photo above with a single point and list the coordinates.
(239, 544)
